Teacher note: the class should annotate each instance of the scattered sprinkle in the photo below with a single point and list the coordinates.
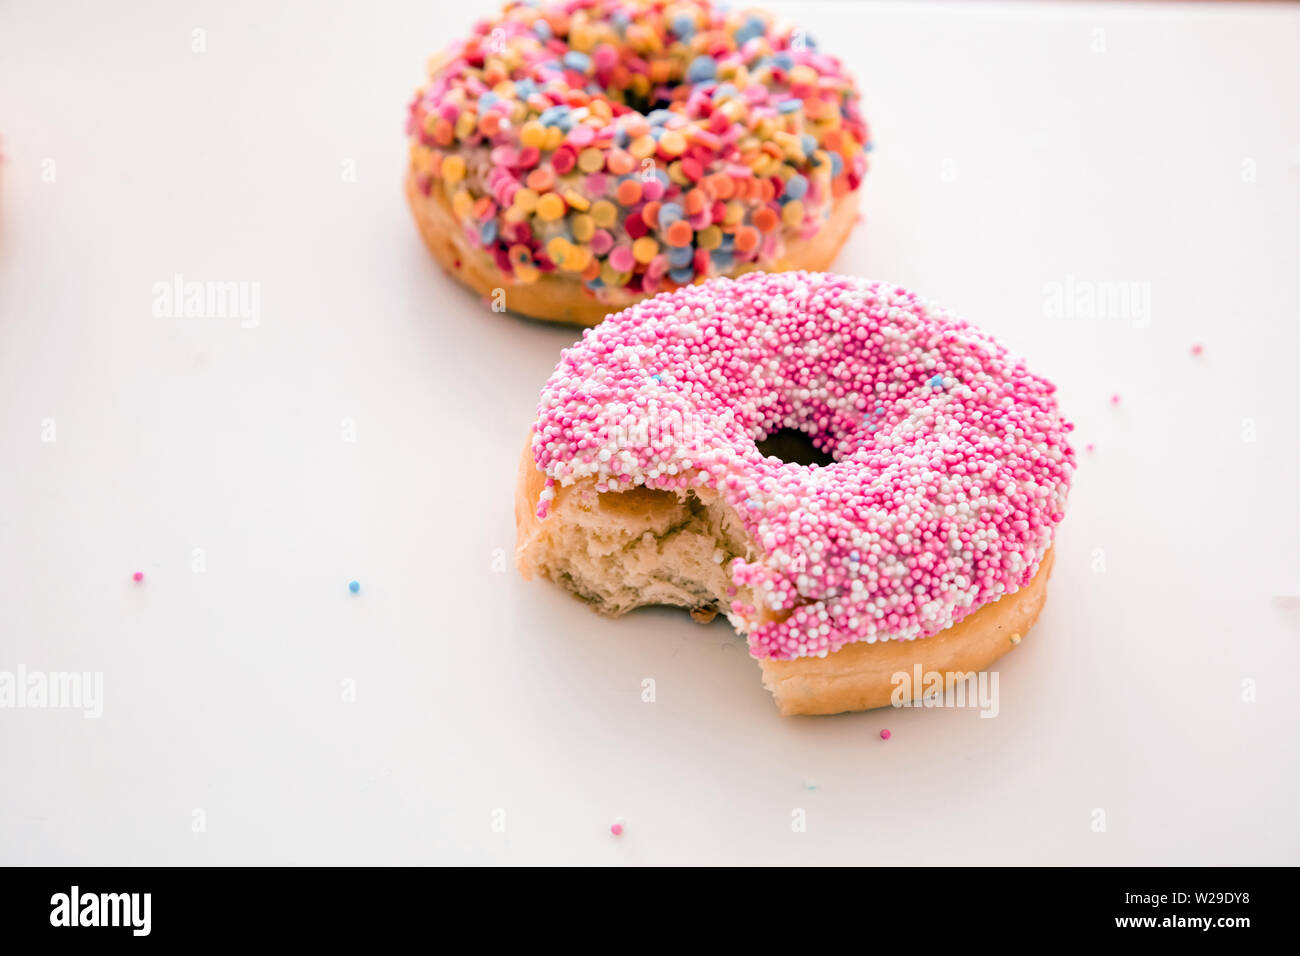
(1015, 638)
(1198, 349)
(616, 827)
(885, 735)
(137, 577)
(354, 586)
(1114, 399)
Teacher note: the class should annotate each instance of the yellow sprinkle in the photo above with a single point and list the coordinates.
(672, 142)
(577, 258)
(527, 273)
(533, 133)
(644, 249)
(505, 89)
(577, 200)
(792, 214)
(802, 73)
(611, 276)
(584, 226)
(526, 200)
(642, 147)
(421, 158)
(591, 160)
(675, 173)
(550, 207)
(453, 168)
(557, 249)
(1015, 638)
(710, 237)
(554, 136)
(465, 124)
(604, 212)
(462, 202)
(733, 212)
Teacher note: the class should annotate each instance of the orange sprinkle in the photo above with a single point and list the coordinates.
(489, 124)
(694, 201)
(746, 238)
(766, 219)
(680, 233)
(620, 162)
(767, 192)
(541, 179)
(723, 185)
(650, 214)
(629, 191)
(484, 207)
(443, 133)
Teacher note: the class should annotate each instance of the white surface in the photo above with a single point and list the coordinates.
(476, 690)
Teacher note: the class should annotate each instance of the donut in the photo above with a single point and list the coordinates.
(925, 541)
(570, 158)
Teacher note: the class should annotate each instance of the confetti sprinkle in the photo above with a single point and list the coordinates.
(354, 586)
(616, 827)
(137, 577)
(682, 126)
(952, 494)
(885, 735)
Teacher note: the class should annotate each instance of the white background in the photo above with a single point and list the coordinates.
(1017, 146)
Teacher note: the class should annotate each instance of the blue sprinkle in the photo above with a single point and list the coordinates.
(808, 143)
(669, 213)
(936, 382)
(682, 275)
(656, 377)
(753, 28)
(837, 164)
(659, 117)
(354, 586)
(722, 258)
(726, 91)
(488, 234)
(790, 105)
(681, 255)
(783, 60)
(595, 283)
(796, 187)
(702, 69)
(621, 137)
(542, 29)
(684, 26)
(553, 115)
(662, 176)
(577, 60)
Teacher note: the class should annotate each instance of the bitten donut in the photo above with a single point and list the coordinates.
(580, 155)
(926, 540)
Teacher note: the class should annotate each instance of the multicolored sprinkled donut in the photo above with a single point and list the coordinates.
(583, 154)
(926, 541)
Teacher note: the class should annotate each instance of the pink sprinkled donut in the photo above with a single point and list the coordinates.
(925, 541)
(573, 156)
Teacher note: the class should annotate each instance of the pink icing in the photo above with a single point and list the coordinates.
(951, 462)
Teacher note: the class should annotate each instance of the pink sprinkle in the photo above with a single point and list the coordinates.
(138, 576)
(1114, 399)
(1198, 348)
(616, 829)
(1090, 447)
(884, 735)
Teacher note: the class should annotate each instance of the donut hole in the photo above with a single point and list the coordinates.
(793, 446)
